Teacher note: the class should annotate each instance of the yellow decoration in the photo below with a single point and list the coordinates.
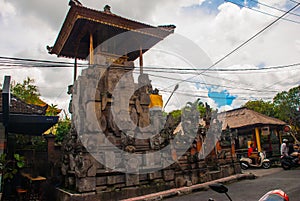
(257, 139)
(155, 101)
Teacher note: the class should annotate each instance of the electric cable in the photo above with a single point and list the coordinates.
(263, 12)
(52, 64)
(272, 7)
(35, 60)
(242, 44)
(216, 85)
(210, 96)
(156, 69)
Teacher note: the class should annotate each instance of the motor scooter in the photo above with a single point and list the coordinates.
(274, 195)
(262, 162)
(287, 162)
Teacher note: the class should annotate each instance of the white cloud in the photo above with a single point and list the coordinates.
(28, 26)
(6, 9)
(275, 3)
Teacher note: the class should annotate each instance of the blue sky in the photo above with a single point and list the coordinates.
(211, 6)
(221, 98)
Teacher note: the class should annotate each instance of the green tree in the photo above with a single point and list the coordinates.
(287, 105)
(263, 107)
(29, 93)
(26, 91)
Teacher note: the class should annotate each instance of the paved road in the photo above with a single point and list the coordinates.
(252, 190)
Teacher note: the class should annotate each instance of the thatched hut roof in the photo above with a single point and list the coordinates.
(244, 117)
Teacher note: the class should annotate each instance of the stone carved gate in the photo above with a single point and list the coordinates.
(116, 147)
(98, 155)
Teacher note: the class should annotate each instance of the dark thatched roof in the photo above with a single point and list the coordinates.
(73, 40)
(18, 106)
(26, 118)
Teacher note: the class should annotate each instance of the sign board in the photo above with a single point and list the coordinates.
(265, 130)
(287, 128)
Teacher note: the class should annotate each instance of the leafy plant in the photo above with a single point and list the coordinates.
(9, 167)
(38, 143)
(52, 110)
(62, 129)
(29, 93)
(26, 91)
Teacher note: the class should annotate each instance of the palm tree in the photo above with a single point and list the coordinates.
(52, 110)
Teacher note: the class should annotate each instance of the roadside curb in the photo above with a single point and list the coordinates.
(186, 190)
(262, 172)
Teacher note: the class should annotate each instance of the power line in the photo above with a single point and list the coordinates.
(171, 69)
(294, 1)
(182, 93)
(253, 72)
(263, 12)
(206, 91)
(244, 43)
(36, 60)
(11, 62)
(20, 63)
(248, 89)
(268, 6)
(216, 85)
(279, 81)
(211, 96)
(252, 37)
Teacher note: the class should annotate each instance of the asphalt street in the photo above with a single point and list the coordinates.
(252, 190)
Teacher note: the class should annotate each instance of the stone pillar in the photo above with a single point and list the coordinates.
(51, 147)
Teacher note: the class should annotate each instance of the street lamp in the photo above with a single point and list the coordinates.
(175, 88)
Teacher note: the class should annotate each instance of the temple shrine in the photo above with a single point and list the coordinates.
(121, 145)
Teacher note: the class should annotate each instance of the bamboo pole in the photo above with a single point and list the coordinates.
(141, 62)
(91, 49)
(257, 139)
(75, 69)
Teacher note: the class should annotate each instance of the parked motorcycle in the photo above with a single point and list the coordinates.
(287, 162)
(262, 162)
(274, 195)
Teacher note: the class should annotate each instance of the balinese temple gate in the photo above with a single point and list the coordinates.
(119, 147)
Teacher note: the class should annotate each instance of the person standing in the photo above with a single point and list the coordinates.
(284, 148)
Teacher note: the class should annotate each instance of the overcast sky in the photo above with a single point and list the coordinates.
(216, 27)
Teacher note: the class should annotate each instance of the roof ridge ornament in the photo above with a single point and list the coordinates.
(75, 3)
(106, 9)
(168, 26)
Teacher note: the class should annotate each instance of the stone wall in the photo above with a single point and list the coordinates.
(116, 150)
